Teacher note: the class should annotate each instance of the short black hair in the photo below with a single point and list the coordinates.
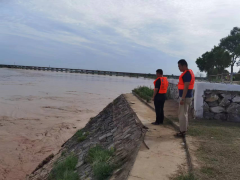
(183, 62)
(159, 71)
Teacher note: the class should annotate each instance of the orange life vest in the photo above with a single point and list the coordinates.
(181, 83)
(164, 85)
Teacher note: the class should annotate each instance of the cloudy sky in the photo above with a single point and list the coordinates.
(119, 35)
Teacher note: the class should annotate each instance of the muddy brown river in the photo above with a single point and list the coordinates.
(40, 110)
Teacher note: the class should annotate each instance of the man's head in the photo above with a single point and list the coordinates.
(159, 73)
(182, 65)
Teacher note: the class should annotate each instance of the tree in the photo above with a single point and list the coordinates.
(231, 43)
(214, 62)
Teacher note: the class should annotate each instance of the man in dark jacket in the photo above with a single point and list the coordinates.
(159, 96)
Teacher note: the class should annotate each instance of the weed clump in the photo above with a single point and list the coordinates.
(144, 92)
(64, 170)
(81, 135)
(185, 177)
(100, 158)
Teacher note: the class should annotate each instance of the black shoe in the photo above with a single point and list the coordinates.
(155, 123)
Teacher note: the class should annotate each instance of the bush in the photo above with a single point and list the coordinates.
(64, 170)
(81, 135)
(102, 170)
(144, 92)
(99, 158)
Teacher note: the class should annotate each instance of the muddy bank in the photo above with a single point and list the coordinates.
(116, 127)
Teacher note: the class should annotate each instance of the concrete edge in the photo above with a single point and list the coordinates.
(176, 127)
(144, 130)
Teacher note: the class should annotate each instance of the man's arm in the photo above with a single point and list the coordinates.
(185, 90)
(155, 92)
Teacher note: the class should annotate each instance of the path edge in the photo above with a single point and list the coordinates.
(176, 127)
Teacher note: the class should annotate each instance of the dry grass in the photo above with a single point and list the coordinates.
(219, 150)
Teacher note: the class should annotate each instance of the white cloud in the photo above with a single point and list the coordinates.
(180, 28)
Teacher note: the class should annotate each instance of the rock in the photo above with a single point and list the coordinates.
(227, 96)
(213, 104)
(234, 108)
(112, 131)
(236, 99)
(79, 164)
(205, 107)
(220, 116)
(127, 136)
(211, 98)
(109, 134)
(233, 117)
(102, 137)
(217, 109)
(207, 92)
(208, 115)
(224, 102)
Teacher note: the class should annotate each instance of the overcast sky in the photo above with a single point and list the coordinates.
(119, 35)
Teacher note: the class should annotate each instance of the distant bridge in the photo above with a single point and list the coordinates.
(83, 71)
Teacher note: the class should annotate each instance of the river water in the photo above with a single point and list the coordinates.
(40, 110)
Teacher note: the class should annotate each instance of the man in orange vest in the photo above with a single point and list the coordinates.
(159, 96)
(185, 87)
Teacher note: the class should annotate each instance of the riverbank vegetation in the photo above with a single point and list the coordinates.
(65, 170)
(147, 93)
(144, 92)
(100, 159)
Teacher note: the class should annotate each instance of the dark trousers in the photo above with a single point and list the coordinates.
(159, 101)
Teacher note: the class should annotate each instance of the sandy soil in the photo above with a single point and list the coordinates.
(39, 111)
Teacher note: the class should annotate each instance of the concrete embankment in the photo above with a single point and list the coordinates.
(122, 126)
(118, 127)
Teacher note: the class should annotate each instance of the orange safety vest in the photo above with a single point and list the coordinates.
(163, 86)
(181, 83)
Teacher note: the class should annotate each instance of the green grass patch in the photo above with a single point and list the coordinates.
(209, 171)
(100, 158)
(185, 177)
(64, 170)
(63, 153)
(81, 135)
(144, 92)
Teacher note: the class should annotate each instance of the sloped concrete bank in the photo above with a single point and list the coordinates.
(116, 127)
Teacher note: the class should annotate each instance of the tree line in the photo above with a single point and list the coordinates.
(226, 54)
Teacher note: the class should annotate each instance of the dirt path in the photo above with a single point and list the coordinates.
(166, 155)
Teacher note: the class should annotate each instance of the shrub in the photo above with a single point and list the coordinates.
(100, 158)
(64, 170)
(144, 92)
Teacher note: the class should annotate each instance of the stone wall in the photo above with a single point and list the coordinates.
(118, 127)
(221, 105)
(204, 109)
(173, 92)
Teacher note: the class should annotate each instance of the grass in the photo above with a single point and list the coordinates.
(144, 92)
(185, 177)
(64, 170)
(81, 135)
(218, 153)
(100, 158)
